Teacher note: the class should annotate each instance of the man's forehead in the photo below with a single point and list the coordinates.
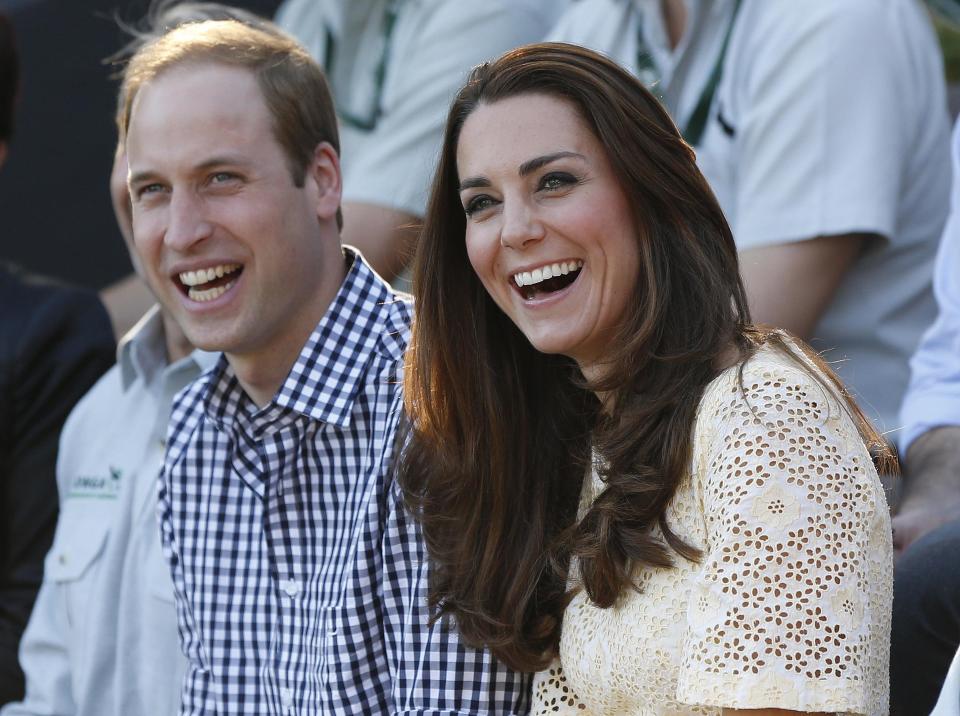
(190, 103)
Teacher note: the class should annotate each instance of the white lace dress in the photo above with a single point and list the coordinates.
(790, 605)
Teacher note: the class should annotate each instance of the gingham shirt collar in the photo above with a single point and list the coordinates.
(324, 380)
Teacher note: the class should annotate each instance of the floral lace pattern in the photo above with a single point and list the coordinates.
(790, 605)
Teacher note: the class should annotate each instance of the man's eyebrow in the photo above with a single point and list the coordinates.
(528, 167)
(206, 165)
(144, 176)
(220, 161)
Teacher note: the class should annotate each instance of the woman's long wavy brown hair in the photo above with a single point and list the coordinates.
(502, 434)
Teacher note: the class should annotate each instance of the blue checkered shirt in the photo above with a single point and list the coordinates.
(300, 581)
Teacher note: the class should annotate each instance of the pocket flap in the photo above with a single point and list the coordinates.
(78, 542)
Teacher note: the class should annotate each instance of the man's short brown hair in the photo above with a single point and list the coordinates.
(293, 85)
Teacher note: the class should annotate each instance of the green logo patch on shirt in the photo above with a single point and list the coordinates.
(99, 487)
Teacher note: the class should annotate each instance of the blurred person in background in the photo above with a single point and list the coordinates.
(394, 66)
(926, 624)
(822, 128)
(105, 616)
(55, 341)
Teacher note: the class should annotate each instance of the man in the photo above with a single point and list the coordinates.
(926, 608)
(822, 128)
(299, 580)
(55, 341)
(394, 67)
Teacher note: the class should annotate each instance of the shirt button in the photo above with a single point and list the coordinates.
(286, 698)
(290, 587)
(62, 559)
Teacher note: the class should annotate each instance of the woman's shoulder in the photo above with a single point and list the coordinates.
(769, 380)
(774, 396)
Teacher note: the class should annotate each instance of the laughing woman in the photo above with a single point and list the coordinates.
(621, 482)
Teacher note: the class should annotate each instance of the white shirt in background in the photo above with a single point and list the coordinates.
(830, 118)
(432, 47)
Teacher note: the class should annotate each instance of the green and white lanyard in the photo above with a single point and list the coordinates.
(368, 121)
(650, 75)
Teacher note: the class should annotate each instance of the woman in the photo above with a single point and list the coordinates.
(586, 391)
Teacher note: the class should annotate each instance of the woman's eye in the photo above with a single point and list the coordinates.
(557, 180)
(478, 203)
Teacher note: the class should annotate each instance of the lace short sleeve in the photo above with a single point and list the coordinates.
(791, 606)
(552, 694)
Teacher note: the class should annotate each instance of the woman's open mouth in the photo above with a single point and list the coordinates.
(547, 279)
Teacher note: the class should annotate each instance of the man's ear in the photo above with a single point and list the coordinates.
(3, 153)
(324, 171)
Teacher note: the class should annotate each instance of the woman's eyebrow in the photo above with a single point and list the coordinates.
(528, 167)
(474, 182)
(532, 165)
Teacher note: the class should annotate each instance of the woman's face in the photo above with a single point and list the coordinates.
(550, 232)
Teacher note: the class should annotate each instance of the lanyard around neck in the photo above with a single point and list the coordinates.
(650, 75)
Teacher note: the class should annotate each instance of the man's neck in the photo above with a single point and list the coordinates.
(675, 19)
(262, 372)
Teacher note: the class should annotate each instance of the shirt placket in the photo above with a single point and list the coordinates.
(283, 523)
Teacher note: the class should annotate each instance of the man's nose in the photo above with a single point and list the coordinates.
(521, 225)
(187, 223)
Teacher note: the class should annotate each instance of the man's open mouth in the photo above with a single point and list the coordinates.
(547, 279)
(209, 283)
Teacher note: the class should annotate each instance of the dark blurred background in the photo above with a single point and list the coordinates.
(54, 203)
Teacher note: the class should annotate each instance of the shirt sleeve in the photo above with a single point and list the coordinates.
(392, 164)
(933, 397)
(195, 678)
(823, 99)
(792, 606)
(434, 673)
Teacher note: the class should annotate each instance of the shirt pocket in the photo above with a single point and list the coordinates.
(72, 563)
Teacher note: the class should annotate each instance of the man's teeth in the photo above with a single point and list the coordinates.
(201, 276)
(529, 278)
(209, 294)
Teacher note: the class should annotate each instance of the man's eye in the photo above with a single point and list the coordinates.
(148, 189)
(221, 177)
(557, 180)
(478, 203)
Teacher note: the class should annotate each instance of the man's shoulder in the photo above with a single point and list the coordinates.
(43, 317)
(189, 410)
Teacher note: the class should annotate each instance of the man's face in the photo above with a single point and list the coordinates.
(229, 245)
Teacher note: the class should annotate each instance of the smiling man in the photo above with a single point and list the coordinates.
(300, 583)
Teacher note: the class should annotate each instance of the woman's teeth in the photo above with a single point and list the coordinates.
(530, 278)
